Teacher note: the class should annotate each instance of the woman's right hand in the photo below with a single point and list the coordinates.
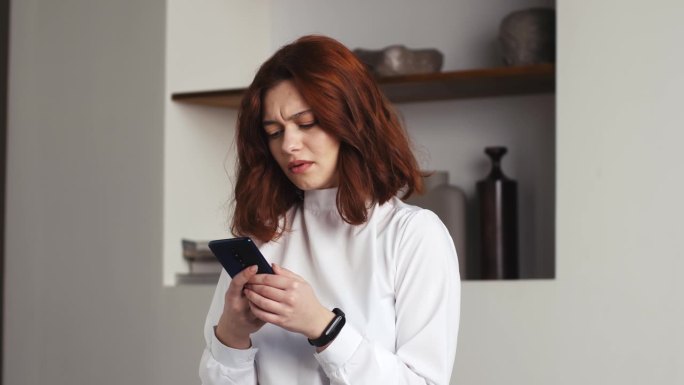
(237, 321)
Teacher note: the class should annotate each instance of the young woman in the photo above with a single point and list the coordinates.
(366, 288)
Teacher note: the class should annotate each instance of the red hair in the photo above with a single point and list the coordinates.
(375, 160)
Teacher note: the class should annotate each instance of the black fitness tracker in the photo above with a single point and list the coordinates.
(331, 331)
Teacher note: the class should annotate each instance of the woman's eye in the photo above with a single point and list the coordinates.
(307, 125)
(274, 134)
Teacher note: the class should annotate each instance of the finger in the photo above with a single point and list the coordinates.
(238, 282)
(264, 316)
(278, 281)
(263, 303)
(272, 293)
(279, 270)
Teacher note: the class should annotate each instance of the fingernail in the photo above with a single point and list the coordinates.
(253, 268)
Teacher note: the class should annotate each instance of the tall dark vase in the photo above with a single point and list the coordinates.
(498, 204)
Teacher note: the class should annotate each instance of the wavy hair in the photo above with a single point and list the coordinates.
(375, 161)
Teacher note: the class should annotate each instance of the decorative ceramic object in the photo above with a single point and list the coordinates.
(399, 60)
(528, 37)
(498, 209)
(449, 203)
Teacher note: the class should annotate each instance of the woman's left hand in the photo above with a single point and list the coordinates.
(287, 300)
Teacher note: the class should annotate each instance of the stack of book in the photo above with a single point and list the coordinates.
(200, 258)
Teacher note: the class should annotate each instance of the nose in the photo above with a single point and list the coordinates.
(292, 140)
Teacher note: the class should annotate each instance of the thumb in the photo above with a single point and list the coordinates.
(239, 281)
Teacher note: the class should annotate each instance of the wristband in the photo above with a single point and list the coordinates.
(331, 331)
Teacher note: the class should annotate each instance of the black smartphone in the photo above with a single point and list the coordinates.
(236, 254)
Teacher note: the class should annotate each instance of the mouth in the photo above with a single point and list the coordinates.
(299, 166)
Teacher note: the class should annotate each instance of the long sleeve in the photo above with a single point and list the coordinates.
(221, 365)
(427, 303)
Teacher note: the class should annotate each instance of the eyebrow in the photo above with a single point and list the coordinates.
(293, 116)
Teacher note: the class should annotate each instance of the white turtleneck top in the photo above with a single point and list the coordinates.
(396, 278)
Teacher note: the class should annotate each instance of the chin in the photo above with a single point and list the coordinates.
(308, 184)
(312, 186)
(309, 188)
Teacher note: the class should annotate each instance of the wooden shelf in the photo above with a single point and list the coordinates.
(477, 83)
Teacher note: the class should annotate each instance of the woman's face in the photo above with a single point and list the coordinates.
(305, 153)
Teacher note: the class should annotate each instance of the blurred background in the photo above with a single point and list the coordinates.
(105, 175)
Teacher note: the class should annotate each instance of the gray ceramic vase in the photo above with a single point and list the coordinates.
(449, 203)
(528, 37)
(399, 60)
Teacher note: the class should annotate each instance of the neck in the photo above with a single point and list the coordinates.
(323, 199)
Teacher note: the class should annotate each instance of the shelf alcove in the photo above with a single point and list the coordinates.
(442, 86)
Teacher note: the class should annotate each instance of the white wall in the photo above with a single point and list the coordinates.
(84, 161)
(84, 296)
(209, 45)
(620, 208)
(83, 293)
